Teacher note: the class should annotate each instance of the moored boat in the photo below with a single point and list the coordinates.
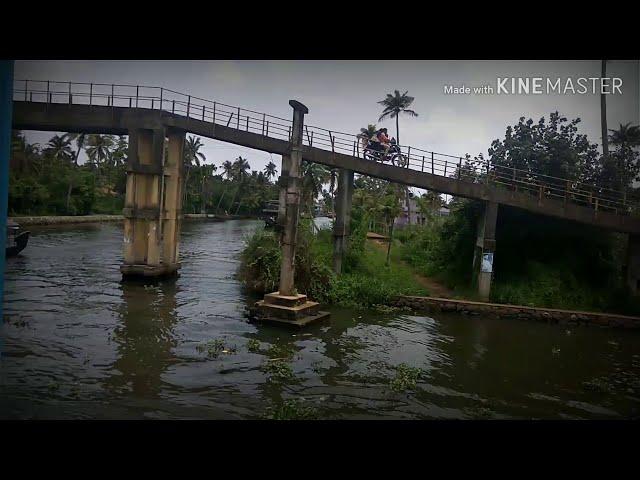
(16, 239)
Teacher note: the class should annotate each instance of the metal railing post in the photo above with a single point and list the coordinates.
(173, 106)
(161, 96)
(91, 94)
(137, 89)
(238, 122)
(26, 87)
(203, 112)
(48, 94)
(188, 105)
(70, 99)
(445, 168)
(214, 112)
(460, 168)
(113, 99)
(422, 163)
(408, 156)
(264, 117)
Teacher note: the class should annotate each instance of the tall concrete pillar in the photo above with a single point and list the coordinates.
(292, 202)
(485, 250)
(341, 226)
(633, 263)
(283, 182)
(153, 203)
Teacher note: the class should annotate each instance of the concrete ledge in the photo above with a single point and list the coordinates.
(149, 271)
(295, 322)
(550, 315)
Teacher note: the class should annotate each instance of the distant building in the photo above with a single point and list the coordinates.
(417, 217)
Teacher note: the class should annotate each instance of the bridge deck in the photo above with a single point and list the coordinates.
(28, 115)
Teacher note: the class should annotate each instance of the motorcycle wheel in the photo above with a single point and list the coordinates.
(400, 160)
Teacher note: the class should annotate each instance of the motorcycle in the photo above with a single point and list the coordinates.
(375, 151)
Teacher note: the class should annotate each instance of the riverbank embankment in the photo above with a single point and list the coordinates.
(549, 315)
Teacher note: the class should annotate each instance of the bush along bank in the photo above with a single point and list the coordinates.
(365, 282)
(539, 261)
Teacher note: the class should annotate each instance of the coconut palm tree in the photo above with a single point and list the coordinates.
(192, 154)
(80, 139)
(99, 148)
(270, 170)
(207, 172)
(239, 174)
(626, 135)
(625, 138)
(120, 152)
(314, 176)
(394, 105)
(367, 134)
(241, 167)
(227, 169)
(59, 148)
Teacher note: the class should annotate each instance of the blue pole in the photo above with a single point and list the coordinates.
(6, 109)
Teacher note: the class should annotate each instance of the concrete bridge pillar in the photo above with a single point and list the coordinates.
(287, 306)
(292, 201)
(485, 249)
(633, 263)
(153, 203)
(283, 182)
(341, 226)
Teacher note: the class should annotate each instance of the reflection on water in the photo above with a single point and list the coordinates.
(78, 343)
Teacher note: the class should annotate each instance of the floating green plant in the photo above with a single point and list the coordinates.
(406, 378)
(278, 369)
(253, 345)
(292, 410)
(214, 348)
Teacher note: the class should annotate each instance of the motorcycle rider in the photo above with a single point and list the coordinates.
(384, 140)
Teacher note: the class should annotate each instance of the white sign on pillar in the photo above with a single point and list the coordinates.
(487, 262)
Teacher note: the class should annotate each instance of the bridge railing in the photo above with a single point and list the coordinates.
(461, 168)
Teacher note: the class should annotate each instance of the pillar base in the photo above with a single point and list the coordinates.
(133, 271)
(293, 310)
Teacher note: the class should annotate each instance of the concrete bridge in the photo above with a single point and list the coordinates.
(157, 119)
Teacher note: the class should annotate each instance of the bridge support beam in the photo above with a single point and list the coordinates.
(485, 250)
(633, 264)
(287, 306)
(153, 203)
(341, 227)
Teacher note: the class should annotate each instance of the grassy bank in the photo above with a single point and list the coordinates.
(366, 281)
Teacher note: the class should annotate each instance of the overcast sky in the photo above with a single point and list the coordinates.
(342, 95)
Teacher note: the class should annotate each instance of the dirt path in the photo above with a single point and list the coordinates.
(435, 289)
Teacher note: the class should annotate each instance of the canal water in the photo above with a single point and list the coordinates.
(76, 343)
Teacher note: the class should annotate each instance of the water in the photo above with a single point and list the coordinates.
(79, 344)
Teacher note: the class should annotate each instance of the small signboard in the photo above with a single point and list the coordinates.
(487, 262)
